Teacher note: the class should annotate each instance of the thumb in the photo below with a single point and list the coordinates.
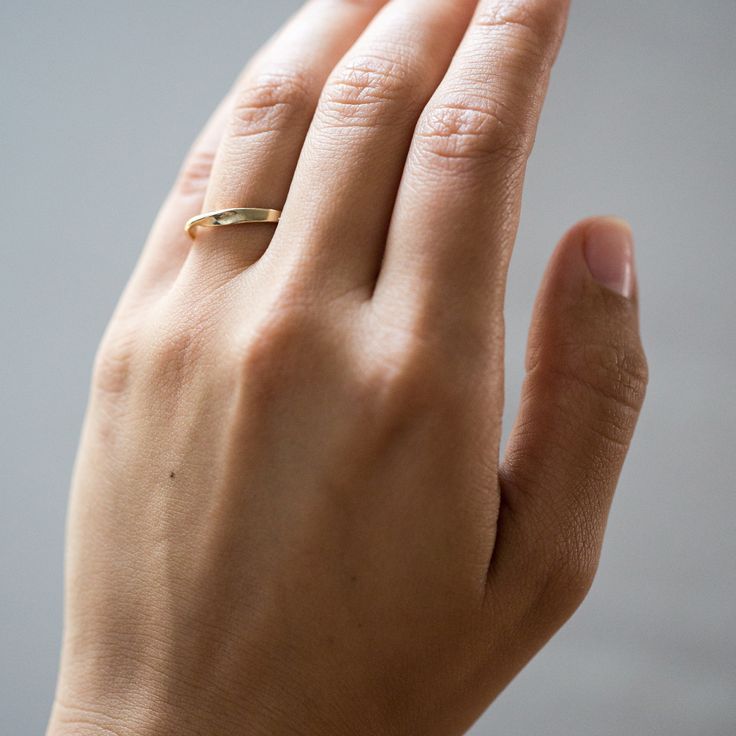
(584, 387)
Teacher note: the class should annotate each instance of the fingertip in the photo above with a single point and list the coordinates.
(596, 252)
(589, 288)
(608, 248)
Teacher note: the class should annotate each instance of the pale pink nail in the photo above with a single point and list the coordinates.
(609, 253)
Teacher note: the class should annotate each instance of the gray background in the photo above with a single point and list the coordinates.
(99, 102)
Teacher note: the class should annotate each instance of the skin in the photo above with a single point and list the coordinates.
(289, 512)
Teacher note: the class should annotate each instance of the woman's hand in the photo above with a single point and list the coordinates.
(288, 511)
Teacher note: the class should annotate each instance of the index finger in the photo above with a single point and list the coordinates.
(457, 208)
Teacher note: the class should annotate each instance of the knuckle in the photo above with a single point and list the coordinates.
(566, 580)
(405, 383)
(559, 548)
(268, 343)
(368, 91)
(195, 174)
(280, 347)
(172, 351)
(163, 350)
(113, 364)
(534, 26)
(271, 102)
(462, 133)
(615, 375)
(562, 566)
(618, 374)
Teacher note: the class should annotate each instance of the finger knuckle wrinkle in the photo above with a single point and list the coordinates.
(617, 374)
(271, 103)
(533, 25)
(195, 174)
(465, 133)
(368, 91)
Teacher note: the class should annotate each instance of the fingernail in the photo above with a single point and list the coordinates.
(609, 252)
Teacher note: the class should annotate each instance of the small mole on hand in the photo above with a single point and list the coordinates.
(172, 474)
(353, 578)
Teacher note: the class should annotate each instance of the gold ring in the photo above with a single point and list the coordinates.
(236, 216)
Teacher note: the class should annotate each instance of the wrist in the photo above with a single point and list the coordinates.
(105, 708)
(108, 707)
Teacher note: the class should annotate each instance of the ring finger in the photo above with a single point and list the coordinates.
(268, 121)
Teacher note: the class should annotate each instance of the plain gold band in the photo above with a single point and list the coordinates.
(236, 216)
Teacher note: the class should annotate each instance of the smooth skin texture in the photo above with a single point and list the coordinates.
(288, 512)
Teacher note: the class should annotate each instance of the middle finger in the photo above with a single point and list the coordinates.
(348, 174)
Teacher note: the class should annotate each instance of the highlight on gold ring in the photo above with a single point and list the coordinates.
(233, 216)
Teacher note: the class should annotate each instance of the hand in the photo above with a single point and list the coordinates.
(288, 512)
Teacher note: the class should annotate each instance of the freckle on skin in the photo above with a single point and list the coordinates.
(172, 474)
(353, 578)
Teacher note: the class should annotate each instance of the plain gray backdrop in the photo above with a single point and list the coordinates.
(99, 103)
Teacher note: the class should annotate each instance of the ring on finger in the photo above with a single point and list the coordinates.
(233, 216)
